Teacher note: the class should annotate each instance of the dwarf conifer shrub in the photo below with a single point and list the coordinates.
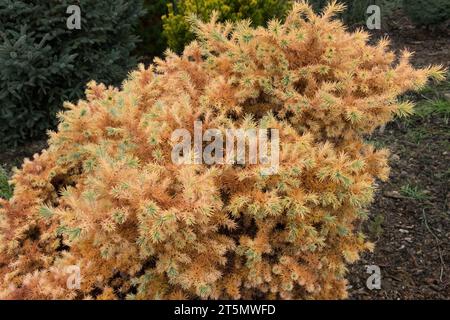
(43, 63)
(107, 198)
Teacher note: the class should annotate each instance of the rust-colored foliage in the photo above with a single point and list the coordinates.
(106, 196)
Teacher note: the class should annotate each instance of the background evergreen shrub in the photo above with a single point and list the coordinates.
(5, 188)
(150, 29)
(356, 10)
(43, 63)
(427, 12)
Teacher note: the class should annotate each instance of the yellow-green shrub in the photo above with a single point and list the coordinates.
(176, 26)
(106, 196)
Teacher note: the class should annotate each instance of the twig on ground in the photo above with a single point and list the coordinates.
(438, 244)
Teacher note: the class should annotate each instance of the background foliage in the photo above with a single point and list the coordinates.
(150, 29)
(177, 32)
(427, 12)
(5, 188)
(42, 63)
(176, 27)
(356, 10)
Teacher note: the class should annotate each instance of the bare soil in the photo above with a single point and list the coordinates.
(412, 232)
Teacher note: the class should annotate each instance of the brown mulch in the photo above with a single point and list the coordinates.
(412, 236)
(412, 240)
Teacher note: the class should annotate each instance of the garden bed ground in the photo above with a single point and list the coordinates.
(410, 219)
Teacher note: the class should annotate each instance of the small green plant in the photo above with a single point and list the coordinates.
(375, 226)
(5, 189)
(377, 144)
(428, 90)
(417, 135)
(413, 192)
(438, 107)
